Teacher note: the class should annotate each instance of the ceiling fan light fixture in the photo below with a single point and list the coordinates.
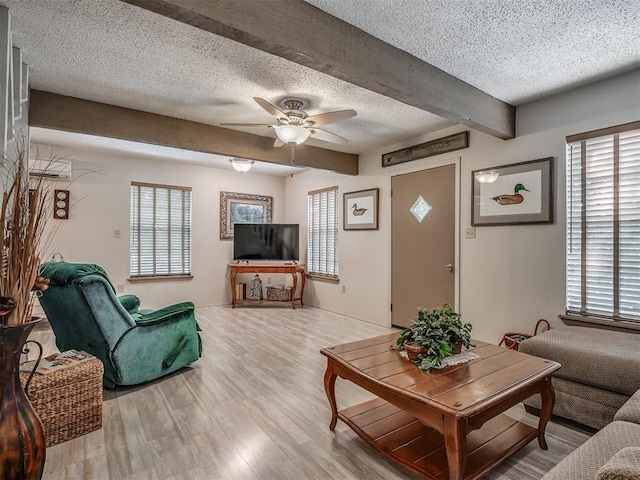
(292, 134)
(241, 165)
(487, 176)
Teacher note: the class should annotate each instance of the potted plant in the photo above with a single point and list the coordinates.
(434, 336)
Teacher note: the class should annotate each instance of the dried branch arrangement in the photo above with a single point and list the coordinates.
(26, 207)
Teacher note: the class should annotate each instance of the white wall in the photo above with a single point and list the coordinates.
(362, 254)
(509, 275)
(100, 198)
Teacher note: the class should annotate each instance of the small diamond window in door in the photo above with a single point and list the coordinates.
(420, 208)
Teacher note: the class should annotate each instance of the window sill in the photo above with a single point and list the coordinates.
(159, 278)
(324, 278)
(583, 321)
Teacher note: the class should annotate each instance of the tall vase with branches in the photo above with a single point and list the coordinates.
(23, 215)
(24, 212)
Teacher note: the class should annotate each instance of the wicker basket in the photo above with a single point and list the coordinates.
(413, 351)
(279, 293)
(512, 340)
(68, 401)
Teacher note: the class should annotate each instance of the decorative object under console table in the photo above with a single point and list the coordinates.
(286, 268)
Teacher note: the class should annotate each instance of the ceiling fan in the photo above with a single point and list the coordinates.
(295, 125)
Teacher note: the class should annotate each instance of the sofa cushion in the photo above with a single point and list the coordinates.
(584, 462)
(624, 465)
(600, 358)
(630, 411)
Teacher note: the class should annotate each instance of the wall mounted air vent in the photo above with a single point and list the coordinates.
(51, 169)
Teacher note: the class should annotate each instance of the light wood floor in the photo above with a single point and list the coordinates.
(253, 407)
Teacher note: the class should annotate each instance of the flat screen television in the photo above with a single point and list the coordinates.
(266, 241)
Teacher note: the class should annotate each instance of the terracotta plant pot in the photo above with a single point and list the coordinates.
(457, 348)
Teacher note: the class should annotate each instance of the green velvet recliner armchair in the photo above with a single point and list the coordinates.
(134, 345)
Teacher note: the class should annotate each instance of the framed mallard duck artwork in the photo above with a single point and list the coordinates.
(519, 193)
(360, 210)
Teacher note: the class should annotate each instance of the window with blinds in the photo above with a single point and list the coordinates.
(603, 223)
(322, 237)
(160, 230)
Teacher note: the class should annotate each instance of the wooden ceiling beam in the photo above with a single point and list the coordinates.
(304, 34)
(58, 112)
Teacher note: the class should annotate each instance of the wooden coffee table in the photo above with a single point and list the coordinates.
(447, 424)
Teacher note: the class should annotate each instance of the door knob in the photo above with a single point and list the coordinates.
(448, 267)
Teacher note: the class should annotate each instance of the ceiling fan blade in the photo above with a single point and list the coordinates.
(271, 109)
(278, 143)
(247, 125)
(331, 117)
(327, 136)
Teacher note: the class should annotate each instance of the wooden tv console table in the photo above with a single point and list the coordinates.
(293, 269)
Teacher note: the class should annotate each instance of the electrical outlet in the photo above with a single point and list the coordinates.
(120, 288)
(470, 232)
(344, 289)
(268, 280)
(117, 233)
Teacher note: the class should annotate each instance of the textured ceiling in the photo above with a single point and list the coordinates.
(516, 50)
(115, 53)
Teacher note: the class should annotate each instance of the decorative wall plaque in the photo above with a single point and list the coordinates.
(428, 149)
(61, 204)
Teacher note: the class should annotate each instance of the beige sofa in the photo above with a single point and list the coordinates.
(598, 386)
(611, 454)
(600, 371)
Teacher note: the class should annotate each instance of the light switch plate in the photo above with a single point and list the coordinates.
(470, 232)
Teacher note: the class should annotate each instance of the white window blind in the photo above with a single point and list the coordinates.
(603, 224)
(322, 238)
(160, 230)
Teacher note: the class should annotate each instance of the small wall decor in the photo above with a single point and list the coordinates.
(360, 210)
(243, 208)
(61, 204)
(450, 143)
(522, 194)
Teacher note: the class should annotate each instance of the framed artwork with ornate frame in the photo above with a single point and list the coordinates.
(360, 210)
(522, 194)
(243, 208)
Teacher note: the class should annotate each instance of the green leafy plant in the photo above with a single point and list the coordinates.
(437, 333)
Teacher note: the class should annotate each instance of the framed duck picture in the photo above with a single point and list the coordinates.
(360, 210)
(519, 193)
